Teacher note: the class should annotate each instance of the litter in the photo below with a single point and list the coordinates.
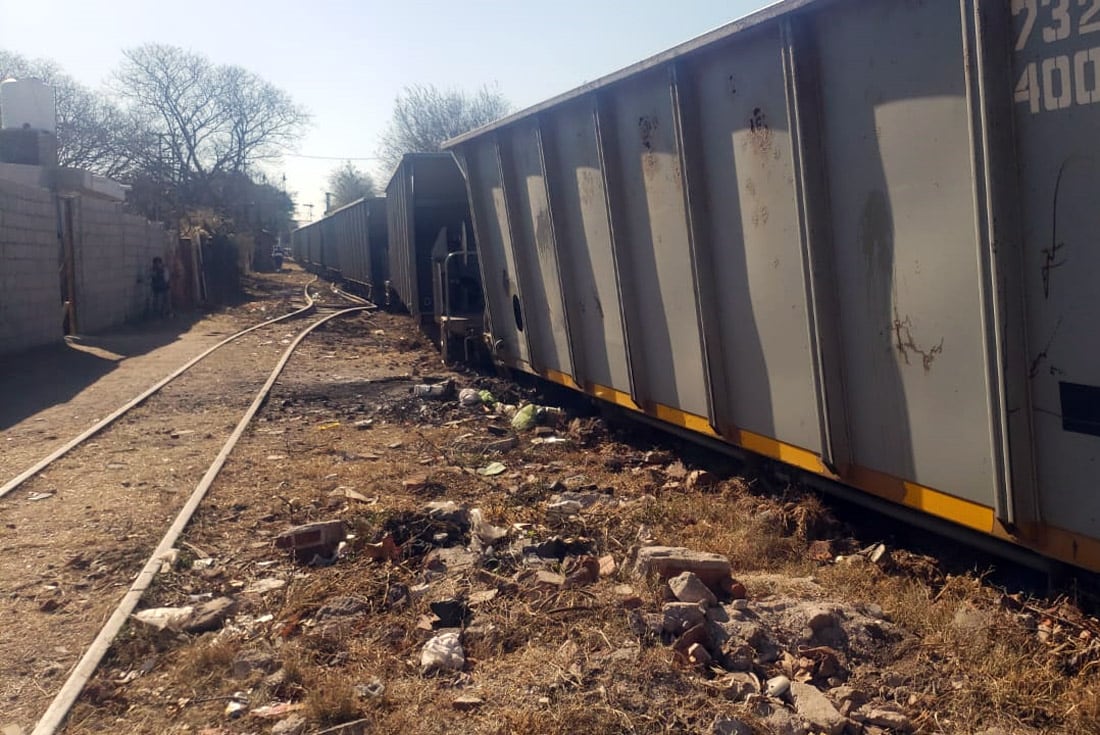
(492, 469)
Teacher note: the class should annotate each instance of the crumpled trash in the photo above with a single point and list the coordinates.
(487, 398)
(532, 415)
(435, 391)
(525, 418)
(562, 510)
(492, 469)
(373, 688)
(469, 397)
(485, 532)
(443, 653)
(238, 704)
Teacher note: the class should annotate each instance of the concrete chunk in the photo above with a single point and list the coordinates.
(211, 615)
(668, 561)
(313, 538)
(689, 588)
(680, 616)
(815, 708)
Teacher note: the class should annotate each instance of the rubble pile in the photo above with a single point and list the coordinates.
(515, 558)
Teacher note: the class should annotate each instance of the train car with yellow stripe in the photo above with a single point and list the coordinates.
(854, 236)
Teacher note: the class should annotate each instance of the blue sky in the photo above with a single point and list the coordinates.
(346, 61)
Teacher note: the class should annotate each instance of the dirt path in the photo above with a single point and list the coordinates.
(54, 393)
(73, 538)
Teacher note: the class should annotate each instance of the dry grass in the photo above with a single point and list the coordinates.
(331, 698)
(974, 665)
(567, 661)
(209, 662)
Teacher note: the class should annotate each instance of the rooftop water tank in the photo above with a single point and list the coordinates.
(27, 104)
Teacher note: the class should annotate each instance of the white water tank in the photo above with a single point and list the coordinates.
(27, 104)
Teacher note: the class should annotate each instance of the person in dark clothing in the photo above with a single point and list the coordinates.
(161, 306)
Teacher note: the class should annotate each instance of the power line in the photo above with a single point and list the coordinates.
(333, 158)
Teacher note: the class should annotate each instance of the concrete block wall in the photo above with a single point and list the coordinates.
(115, 253)
(30, 290)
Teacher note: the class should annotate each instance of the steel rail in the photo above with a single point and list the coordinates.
(133, 403)
(62, 703)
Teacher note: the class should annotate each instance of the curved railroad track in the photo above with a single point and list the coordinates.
(80, 561)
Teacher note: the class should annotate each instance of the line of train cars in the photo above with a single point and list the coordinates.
(857, 237)
(412, 249)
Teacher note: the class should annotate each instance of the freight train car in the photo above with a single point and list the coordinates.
(858, 237)
(358, 235)
(433, 262)
(348, 245)
(305, 246)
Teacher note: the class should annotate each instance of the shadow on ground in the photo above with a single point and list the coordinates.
(40, 378)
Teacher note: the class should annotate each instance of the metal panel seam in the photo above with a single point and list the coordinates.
(623, 291)
(991, 349)
(806, 239)
(570, 339)
(509, 208)
(704, 316)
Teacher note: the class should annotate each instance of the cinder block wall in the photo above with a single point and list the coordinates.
(113, 257)
(30, 285)
(115, 253)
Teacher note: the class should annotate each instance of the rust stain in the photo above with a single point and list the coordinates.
(906, 345)
(647, 127)
(1050, 262)
(761, 133)
(1044, 353)
(1051, 254)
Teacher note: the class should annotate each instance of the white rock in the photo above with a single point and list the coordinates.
(689, 588)
(444, 652)
(165, 617)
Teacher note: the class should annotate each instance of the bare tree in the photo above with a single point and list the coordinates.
(93, 133)
(208, 120)
(424, 116)
(348, 183)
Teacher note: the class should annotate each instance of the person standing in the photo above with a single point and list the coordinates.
(161, 305)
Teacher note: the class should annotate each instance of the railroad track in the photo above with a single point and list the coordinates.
(79, 544)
